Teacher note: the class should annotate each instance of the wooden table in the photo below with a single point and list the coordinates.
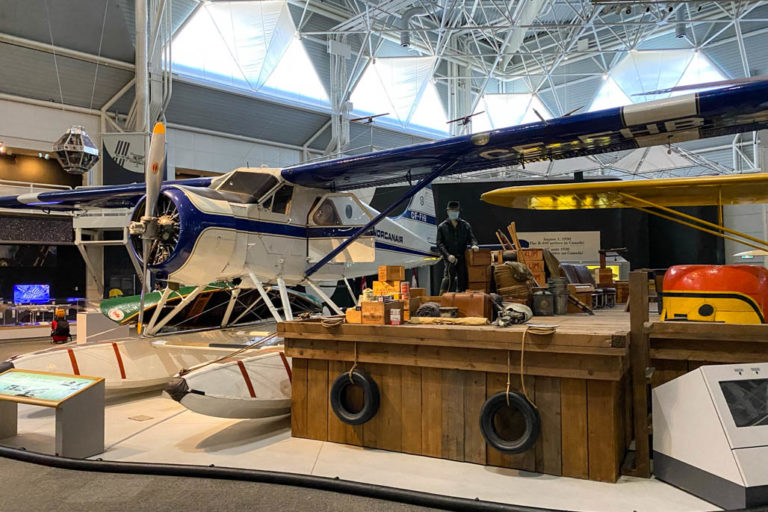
(433, 381)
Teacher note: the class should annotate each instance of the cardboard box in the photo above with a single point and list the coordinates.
(603, 276)
(622, 291)
(481, 258)
(354, 316)
(533, 254)
(418, 292)
(535, 266)
(377, 313)
(386, 287)
(391, 273)
(478, 274)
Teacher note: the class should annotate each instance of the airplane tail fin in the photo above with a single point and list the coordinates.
(419, 216)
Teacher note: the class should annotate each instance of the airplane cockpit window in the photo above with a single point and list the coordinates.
(247, 187)
(281, 202)
(326, 214)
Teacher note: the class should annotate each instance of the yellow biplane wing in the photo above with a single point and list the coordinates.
(702, 191)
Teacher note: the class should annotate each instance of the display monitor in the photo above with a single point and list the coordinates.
(31, 293)
(747, 401)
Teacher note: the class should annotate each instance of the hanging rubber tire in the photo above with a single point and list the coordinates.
(370, 397)
(517, 401)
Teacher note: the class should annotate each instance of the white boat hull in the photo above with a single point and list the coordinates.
(128, 366)
(253, 387)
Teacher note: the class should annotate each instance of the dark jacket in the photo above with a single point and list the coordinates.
(454, 240)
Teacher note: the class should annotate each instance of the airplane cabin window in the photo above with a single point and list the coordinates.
(247, 187)
(281, 203)
(326, 214)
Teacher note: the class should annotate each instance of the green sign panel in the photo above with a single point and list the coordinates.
(42, 386)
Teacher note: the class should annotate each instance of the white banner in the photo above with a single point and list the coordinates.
(567, 246)
(126, 149)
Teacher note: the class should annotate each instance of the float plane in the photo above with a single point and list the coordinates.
(303, 225)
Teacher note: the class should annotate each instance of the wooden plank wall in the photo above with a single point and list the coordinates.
(436, 412)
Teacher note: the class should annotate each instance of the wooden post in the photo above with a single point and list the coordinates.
(639, 360)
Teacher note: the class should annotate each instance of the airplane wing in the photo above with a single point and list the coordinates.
(110, 196)
(725, 111)
(702, 191)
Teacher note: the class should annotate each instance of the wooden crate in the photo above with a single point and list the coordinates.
(479, 258)
(377, 313)
(391, 273)
(479, 274)
(434, 380)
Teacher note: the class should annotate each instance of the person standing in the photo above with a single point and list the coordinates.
(454, 234)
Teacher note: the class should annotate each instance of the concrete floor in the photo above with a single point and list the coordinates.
(30, 487)
(152, 428)
(11, 348)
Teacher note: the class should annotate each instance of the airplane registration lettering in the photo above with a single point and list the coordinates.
(421, 217)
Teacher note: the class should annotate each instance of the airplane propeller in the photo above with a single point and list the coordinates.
(463, 121)
(147, 227)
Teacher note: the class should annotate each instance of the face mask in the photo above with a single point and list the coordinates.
(453, 215)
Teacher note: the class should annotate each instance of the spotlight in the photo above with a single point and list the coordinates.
(47, 156)
(670, 9)
(2, 149)
(39, 155)
(629, 10)
(647, 8)
(605, 76)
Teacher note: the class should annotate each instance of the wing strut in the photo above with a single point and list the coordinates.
(409, 194)
(688, 220)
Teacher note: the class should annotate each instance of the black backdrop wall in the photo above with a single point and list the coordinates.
(652, 242)
(64, 271)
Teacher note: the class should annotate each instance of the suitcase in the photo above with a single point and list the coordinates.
(469, 304)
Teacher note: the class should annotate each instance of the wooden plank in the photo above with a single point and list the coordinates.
(410, 412)
(603, 427)
(600, 345)
(299, 398)
(609, 366)
(384, 430)
(549, 444)
(703, 331)
(474, 397)
(573, 404)
(452, 430)
(640, 360)
(593, 335)
(339, 432)
(317, 399)
(719, 352)
(431, 412)
(494, 383)
(666, 370)
(391, 410)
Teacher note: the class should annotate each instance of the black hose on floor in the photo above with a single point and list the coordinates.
(380, 492)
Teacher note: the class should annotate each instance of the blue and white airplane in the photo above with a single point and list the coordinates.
(304, 225)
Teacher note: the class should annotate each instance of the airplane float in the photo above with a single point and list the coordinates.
(304, 225)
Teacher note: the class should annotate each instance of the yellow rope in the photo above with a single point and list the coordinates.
(354, 365)
(333, 321)
(541, 330)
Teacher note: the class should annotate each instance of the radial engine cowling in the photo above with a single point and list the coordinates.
(194, 240)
